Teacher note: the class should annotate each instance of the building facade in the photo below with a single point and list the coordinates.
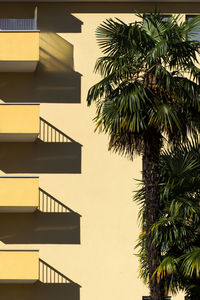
(68, 223)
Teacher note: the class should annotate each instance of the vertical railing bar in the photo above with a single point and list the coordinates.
(46, 279)
(39, 270)
(43, 138)
(39, 198)
(47, 134)
(42, 201)
(43, 272)
(40, 129)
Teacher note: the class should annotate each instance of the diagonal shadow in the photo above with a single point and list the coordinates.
(52, 223)
(52, 152)
(54, 80)
(51, 285)
(57, 18)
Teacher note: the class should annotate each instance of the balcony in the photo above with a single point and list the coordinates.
(19, 266)
(104, 1)
(19, 40)
(19, 194)
(19, 122)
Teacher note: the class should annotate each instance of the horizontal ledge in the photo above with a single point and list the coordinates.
(1, 31)
(15, 176)
(17, 281)
(103, 1)
(19, 103)
(30, 250)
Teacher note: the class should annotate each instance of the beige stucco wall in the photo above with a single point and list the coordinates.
(101, 189)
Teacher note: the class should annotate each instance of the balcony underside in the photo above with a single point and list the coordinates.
(17, 281)
(104, 1)
(17, 209)
(18, 66)
(18, 137)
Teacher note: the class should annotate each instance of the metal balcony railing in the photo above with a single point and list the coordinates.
(18, 24)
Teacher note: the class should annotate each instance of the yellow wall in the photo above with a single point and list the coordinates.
(101, 186)
(19, 46)
(19, 266)
(20, 192)
(19, 118)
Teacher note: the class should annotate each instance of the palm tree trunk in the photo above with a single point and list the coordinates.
(152, 148)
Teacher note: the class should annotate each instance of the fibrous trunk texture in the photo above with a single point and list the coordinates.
(151, 156)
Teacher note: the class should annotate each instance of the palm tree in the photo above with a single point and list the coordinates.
(149, 93)
(177, 230)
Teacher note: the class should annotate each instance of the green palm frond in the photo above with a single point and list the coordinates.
(168, 266)
(191, 262)
(192, 27)
(177, 231)
(144, 83)
(150, 88)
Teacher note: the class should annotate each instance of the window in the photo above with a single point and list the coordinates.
(194, 37)
(165, 18)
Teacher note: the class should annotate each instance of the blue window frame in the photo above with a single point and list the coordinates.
(165, 18)
(196, 36)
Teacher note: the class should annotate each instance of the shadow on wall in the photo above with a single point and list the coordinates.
(52, 152)
(48, 287)
(52, 223)
(57, 18)
(54, 79)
